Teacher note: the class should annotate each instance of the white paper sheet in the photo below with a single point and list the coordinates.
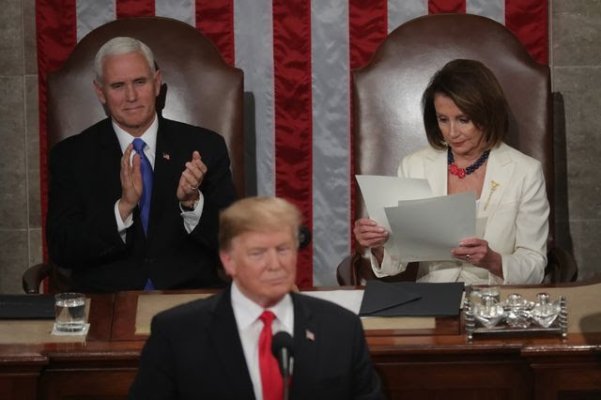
(427, 229)
(386, 191)
(423, 227)
(349, 299)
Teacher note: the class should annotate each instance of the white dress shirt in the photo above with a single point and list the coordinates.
(247, 313)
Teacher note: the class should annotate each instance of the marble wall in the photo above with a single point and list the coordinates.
(20, 215)
(576, 73)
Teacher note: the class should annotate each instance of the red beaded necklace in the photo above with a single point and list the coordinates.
(462, 172)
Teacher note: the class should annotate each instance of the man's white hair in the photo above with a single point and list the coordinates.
(122, 45)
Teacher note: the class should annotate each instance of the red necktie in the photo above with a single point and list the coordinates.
(271, 378)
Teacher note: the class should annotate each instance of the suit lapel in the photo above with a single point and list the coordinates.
(305, 346)
(109, 161)
(165, 167)
(499, 170)
(228, 348)
(435, 170)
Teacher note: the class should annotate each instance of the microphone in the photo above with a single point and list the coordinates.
(282, 347)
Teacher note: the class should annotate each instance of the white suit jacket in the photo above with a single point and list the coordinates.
(513, 207)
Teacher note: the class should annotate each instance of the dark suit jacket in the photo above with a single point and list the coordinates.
(195, 352)
(82, 231)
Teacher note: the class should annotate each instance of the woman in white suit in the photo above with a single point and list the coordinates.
(466, 119)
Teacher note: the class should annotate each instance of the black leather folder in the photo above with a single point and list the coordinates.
(26, 306)
(397, 299)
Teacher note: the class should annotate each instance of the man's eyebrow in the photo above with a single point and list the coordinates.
(121, 81)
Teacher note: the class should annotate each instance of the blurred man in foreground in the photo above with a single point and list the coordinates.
(220, 347)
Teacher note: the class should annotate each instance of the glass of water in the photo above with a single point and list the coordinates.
(492, 291)
(70, 312)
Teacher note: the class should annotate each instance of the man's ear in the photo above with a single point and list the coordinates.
(157, 82)
(229, 265)
(99, 92)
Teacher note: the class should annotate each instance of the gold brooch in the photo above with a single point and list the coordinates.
(493, 186)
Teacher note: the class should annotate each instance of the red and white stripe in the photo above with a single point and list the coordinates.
(297, 56)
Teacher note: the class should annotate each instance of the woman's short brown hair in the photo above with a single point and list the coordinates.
(476, 92)
(257, 214)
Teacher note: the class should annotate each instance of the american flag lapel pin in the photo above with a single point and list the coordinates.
(166, 156)
(309, 335)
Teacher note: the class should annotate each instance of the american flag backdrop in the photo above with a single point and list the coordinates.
(297, 57)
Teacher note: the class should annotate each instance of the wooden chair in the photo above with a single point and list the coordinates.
(388, 115)
(199, 88)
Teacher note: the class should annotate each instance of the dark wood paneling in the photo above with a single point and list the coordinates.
(435, 365)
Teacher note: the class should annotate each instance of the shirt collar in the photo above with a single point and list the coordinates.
(149, 137)
(247, 311)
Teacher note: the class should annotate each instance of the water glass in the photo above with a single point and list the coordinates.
(492, 291)
(489, 312)
(545, 312)
(70, 312)
(518, 311)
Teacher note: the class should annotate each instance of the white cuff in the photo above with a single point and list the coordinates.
(122, 225)
(192, 217)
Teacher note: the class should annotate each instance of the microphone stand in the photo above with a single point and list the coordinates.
(286, 372)
(282, 347)
(286, 382)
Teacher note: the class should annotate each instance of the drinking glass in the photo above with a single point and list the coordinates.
(70, 312)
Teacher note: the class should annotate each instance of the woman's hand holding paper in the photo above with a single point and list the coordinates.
(477, 252)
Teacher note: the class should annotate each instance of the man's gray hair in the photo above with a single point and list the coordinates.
(122, 45)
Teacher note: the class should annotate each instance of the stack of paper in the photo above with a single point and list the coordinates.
(423, 227)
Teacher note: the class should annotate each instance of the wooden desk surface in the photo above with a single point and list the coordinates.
(412, 364)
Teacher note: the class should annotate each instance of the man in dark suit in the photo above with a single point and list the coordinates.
(121, 218)
(211, 348)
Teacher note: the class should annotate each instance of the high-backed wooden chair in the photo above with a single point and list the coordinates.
(388, 115)
(199, 88)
